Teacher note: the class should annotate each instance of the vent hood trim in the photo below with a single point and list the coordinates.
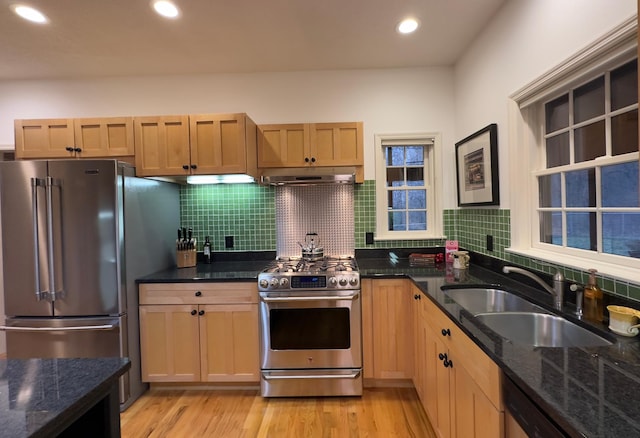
(308, 176)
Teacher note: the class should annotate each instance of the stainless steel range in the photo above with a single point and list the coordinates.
(311, 327)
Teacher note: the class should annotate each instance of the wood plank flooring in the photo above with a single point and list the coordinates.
(380, 412)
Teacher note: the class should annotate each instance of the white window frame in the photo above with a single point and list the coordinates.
(433, 176)
(526, 135)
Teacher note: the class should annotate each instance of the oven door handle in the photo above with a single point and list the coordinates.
(350, 297)
(353, 375)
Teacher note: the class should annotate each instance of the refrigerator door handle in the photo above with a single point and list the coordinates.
(35, 183)
(57, 329)
(51, 182)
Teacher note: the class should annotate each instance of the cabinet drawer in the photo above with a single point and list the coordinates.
(464, 352)
(198, 293)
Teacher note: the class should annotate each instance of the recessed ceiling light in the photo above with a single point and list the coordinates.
(407, 26)
(166, 8)
(29, 13)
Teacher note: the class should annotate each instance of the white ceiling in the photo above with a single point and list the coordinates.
(89, 38)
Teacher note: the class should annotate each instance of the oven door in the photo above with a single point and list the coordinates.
(310, 330)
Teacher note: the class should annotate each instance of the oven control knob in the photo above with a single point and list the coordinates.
(353, 281)
(343, 281)
(284, 282)
(333, 282)
(275, 282)
(264, 283)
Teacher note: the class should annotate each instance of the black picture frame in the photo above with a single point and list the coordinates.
(477, 168)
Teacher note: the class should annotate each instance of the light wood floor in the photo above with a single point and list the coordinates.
(380, 412)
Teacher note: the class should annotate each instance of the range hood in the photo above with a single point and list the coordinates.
(308, 176)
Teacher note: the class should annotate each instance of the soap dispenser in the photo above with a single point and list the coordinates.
(593, 298)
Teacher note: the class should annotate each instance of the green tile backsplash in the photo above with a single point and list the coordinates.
(247, 212)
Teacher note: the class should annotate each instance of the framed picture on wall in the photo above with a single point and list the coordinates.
(477, 168)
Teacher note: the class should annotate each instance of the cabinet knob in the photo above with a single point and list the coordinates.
(306, 159)
(447, 363)
(446, 332)
(442, 356)
(185, 166)
(201, 312)
(77, 149)
(313, 159)
(194, 166)
(198, 294)
(416, 297)
(193, 312)
(69, 149)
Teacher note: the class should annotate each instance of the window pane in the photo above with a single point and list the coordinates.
(550, 191)
(415, 155)
(620, 186)
(417, 199)
(395, 177)
(397, 199)
(397, 221)
(621, 234)
(557, 114)
(417, 220)
(581, 231)
(395, 155)
(624, 85)
(415, 176)
(624, 133)
(588, 100)
(551, 227)
(558, 150)
(581, 188)
(589, 142)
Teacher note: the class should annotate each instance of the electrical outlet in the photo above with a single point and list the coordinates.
(368, 238)
(228, 241)
(489, 242)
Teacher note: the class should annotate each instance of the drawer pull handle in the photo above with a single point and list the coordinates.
(446, 332)
(198, 294)
(416, 297)
(193, 312)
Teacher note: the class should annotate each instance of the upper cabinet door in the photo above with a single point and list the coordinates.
(104, 137)
(222, 144)
(162, 145)
(283, 145)
(44, 138)
(337, 144)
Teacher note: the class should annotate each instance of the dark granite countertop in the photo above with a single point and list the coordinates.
(38, 397)
(587, 391)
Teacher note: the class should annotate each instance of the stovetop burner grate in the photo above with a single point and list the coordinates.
(299, 264)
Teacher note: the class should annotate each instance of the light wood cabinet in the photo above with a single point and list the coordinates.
(311, 144)
(392, 330)
(461, 391)
(74, 138)
(206, 144)
(199, 332)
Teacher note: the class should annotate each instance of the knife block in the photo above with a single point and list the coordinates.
(186, 258)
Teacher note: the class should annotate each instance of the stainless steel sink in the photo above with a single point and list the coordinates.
(481, 300)
(540, 330)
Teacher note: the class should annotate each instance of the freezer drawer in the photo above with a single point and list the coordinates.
(68, 337)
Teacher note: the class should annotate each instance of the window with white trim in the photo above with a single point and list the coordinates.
(588, 192)
(573, 147)
(406, 200)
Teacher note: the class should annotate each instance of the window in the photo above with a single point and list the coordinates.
(406, 201)
(575, 197)
(588, 194)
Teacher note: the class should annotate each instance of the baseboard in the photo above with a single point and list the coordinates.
(245, 386)
(387, 383)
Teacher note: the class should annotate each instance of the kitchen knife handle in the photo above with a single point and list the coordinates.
(35, 182)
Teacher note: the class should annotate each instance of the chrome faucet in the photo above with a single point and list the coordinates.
(579, 290)
(558, 283)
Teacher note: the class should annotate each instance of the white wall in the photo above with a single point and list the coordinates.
(524, 40)
(387, 101)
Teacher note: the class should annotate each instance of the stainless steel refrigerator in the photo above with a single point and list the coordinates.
(75, 236)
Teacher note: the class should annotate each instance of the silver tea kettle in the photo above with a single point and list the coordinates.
(311, 250)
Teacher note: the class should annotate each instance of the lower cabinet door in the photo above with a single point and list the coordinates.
(475, 415)
(437, 386)
(169, 343)
(229, 343)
